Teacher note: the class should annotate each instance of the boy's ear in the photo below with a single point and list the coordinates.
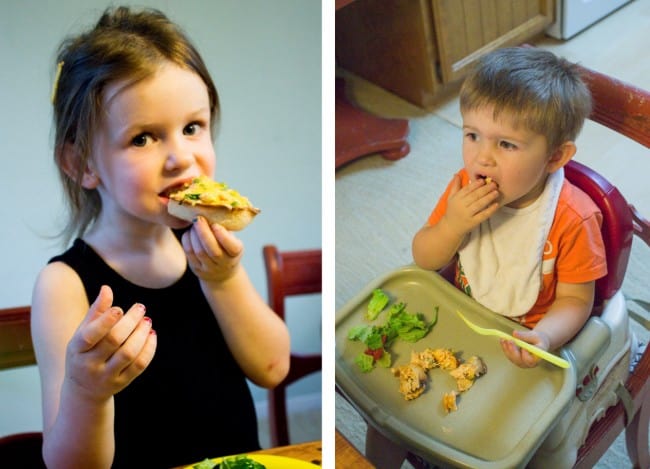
(69, 159)
(561, 156)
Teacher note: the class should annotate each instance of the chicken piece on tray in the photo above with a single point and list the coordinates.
(431, 358)
(467, 372)
(412, 380)
(445, 358)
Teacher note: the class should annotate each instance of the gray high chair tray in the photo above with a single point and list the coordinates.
(500, 421)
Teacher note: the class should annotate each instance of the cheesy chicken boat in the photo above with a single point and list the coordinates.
(213, 200)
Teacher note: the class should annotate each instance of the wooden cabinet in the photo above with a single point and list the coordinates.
(414, 48)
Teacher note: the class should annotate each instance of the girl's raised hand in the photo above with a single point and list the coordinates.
(212, 251)
(109, 349)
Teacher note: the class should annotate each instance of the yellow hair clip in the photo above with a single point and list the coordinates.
(59, 67)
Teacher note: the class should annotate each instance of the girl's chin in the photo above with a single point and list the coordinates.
(177, 223)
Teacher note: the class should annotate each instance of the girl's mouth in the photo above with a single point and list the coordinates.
(164, 195)
(174, 188)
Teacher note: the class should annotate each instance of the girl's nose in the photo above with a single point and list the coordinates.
(178, 157)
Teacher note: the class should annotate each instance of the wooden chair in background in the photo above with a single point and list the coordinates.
(290, 273)
(20, 449)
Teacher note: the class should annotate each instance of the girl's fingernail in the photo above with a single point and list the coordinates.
(152, 332)
(147, 319)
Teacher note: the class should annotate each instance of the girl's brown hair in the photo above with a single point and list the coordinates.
(537, 89)
(124, 45)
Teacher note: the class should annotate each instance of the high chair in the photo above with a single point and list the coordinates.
(626, 110)
(609, 397)
(20, 449)
(290, 273)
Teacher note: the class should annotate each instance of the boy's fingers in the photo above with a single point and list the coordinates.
(527, 336)
(529, 359)
(517, 355)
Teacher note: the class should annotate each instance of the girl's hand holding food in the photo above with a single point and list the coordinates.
(213, 252)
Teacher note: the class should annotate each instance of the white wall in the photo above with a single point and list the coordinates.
(265, 59)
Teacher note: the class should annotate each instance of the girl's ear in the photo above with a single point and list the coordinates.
(69, 159)
(561, 156)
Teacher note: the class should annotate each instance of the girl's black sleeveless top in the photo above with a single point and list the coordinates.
(193, 401)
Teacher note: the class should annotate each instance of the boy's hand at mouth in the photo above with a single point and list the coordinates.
(469, 206)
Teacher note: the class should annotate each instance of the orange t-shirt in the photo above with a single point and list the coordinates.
(574, 251)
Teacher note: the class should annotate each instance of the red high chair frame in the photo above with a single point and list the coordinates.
(626, 110)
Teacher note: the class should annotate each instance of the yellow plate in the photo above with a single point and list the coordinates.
(271, 462)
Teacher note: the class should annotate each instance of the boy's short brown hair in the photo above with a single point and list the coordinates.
(536, 88)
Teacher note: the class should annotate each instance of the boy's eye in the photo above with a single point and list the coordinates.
(507, 145)
(471, 136)
(141, 140)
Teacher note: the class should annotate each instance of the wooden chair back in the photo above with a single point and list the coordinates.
(15, 338)
(290, 273)
(19, 449)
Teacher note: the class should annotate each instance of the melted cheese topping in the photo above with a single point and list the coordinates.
(205, 191)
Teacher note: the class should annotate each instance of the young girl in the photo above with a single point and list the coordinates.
(527, 243)
(144, 336)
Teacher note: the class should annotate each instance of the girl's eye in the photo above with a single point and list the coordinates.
(471, 136)
(141, 140)
(507, 145)
(192, 129)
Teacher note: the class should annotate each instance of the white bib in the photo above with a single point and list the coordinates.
(502, 259)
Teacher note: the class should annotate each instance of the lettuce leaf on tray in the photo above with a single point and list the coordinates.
(377, 303)
(399, 324)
